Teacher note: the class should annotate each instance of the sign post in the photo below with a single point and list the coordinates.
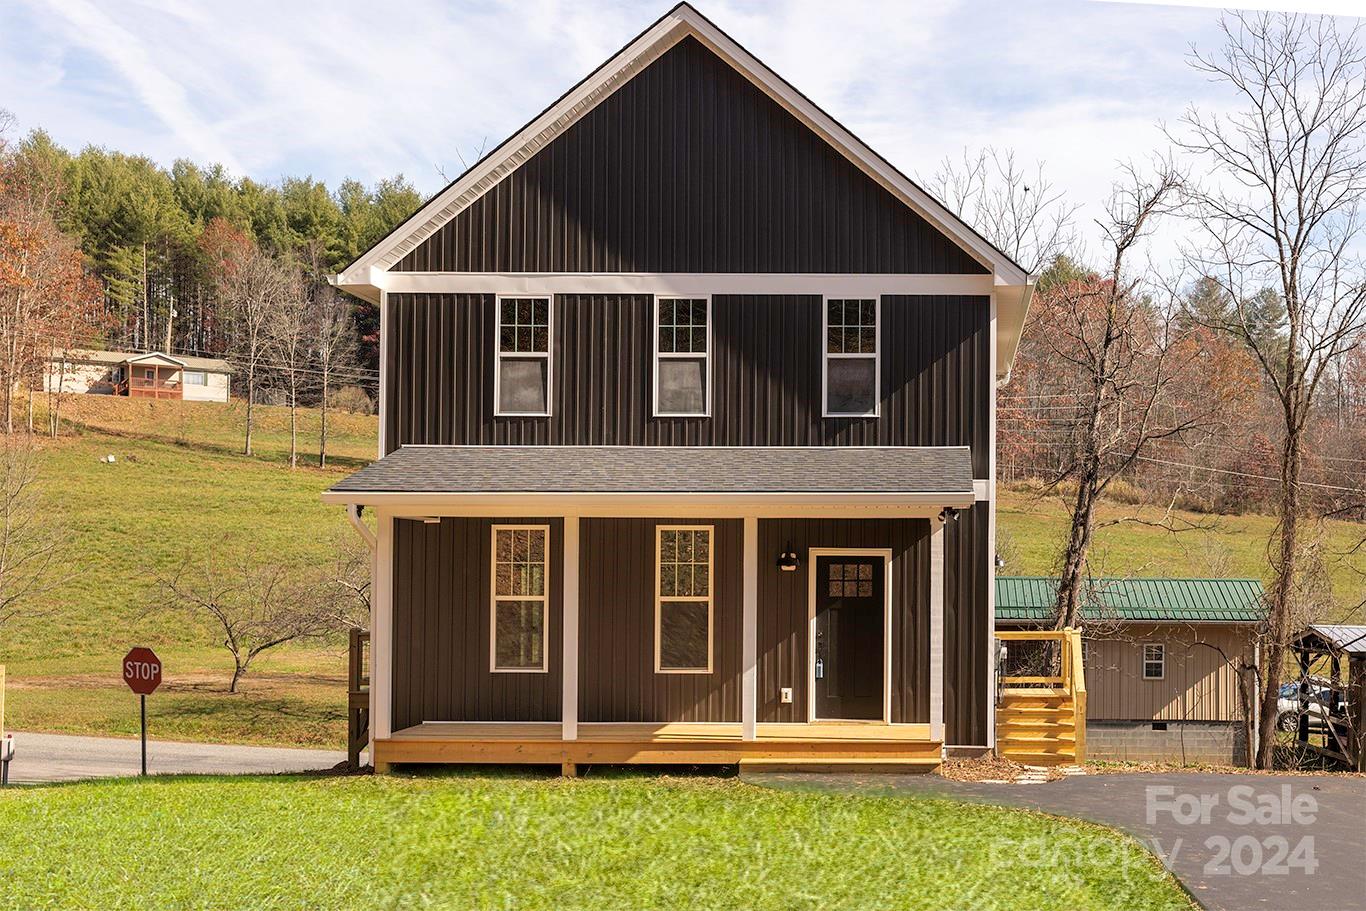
(142, 673)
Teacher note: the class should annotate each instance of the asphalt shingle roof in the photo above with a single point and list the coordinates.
(1031, 598)
(665, 469)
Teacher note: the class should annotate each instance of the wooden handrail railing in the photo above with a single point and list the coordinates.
(357, 695)
(1070, 676)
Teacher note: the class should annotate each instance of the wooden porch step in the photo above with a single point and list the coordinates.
(1036, 704)
(1026, 739)
(1040, 758)
(849, 764)
(1036, 719)
(1043, 714)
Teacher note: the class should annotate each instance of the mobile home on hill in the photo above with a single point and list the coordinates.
(151, 374)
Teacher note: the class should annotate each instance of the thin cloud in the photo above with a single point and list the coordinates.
(334, 90)
(126, 53)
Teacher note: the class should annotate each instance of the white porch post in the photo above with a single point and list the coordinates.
(937, 629)
(382, 635)
(749, 648)
(569, 674)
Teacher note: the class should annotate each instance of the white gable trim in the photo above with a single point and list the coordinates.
(164, 359)
(680, 22)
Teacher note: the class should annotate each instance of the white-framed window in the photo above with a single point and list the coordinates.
(851, 365)
(1154, 661)
(683, 602)
(522, 382)
(682, 365)
(195, 378)
(519, 608)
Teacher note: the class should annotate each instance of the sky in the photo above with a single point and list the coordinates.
(345, 89)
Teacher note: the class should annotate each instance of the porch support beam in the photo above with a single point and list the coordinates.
(382, 638)
(569, 673)
(749, 647)
(937, 629)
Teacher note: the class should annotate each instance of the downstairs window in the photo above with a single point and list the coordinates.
(520, 607)
(683, 603)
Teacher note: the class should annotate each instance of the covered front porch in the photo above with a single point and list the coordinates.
(817, 745)
(761, 690)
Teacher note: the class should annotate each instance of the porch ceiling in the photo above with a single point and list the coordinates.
(941, 474)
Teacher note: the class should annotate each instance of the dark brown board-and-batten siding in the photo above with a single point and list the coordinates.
(766, 370)
(968, 555)
(785, 599)
(689, 167)
(441, 623)
(617, 679)
(442, 599)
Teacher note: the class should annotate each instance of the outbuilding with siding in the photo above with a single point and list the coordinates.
(1164, 662)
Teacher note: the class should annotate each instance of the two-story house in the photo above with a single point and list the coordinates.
(687, 437)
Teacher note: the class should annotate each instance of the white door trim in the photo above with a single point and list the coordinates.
(811, 554)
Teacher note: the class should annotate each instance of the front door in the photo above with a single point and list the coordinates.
(850, 621)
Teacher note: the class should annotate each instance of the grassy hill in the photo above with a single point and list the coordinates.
(179, 486)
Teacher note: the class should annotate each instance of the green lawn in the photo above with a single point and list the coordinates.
(624, 841)
(179, 486)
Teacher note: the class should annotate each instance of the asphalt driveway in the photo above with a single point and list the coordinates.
(60, 757)
(1237, 842)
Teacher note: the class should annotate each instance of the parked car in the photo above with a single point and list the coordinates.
(1321, 696)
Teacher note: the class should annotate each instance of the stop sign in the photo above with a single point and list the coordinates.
(142, 671)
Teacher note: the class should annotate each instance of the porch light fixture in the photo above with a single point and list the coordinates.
(948, 514)
(788, 561)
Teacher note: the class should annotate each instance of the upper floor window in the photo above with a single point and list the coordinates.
(682, 380)
(521, 610)
(850, 382)
(521, 385)
(683, 604)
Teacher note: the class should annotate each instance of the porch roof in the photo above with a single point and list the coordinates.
(939, 473)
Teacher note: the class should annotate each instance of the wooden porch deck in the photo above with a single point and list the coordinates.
(843, 745)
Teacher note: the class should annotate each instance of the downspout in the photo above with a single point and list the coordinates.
(353, 512)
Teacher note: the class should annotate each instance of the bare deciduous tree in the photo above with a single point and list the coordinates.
(251, 285)
(351, 576)
(257, 603)
(30, 541)
(334, 350)
(1021, 213)
(1118, 355)
(1281, 208)
(289, 339)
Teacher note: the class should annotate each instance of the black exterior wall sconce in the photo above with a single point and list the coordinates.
(788, 561)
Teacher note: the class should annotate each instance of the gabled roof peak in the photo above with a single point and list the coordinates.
(682, 21)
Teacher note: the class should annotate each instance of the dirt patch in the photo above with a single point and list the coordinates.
(189, 682)
(990, 768)
(1130, 768)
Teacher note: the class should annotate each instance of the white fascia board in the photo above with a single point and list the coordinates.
(674, 504)
(830, 284)
(645, 49)
(1012, 308)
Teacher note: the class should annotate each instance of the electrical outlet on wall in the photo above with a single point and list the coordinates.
(785, 695)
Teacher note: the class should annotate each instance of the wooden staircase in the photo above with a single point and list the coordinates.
(1041, 720)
